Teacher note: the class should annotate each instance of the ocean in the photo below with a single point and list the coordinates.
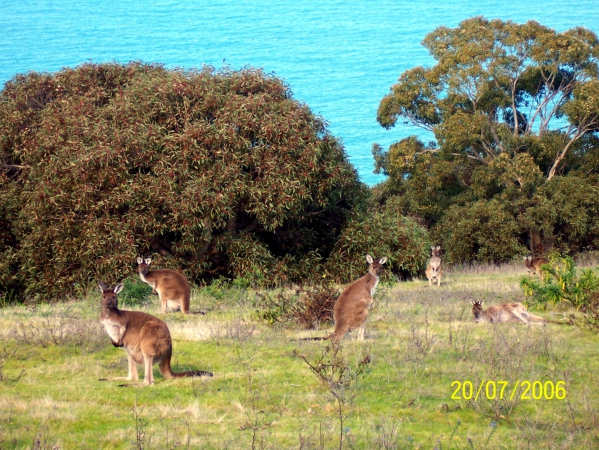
(338, 57)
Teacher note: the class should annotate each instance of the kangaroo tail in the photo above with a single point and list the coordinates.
(318, 338)
(167, 372)
(557, 322)
(534, 318)
(194, 373)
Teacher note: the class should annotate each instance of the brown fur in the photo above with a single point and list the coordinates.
(351, 309)
(434, 269)
(533, 266)
(171, 286)
(510, 313)
(145, 338)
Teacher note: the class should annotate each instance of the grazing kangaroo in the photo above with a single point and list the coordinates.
(145, 338)
(533, 266)
(351, 308)
(434, 269)
(171, 286)
(511, 312)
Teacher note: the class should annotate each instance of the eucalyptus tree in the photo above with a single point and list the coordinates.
(511, 107)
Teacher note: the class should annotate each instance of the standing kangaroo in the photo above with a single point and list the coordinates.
(533, 266)
(434, 269)
(145, 338)
(171, 286)
(351, 308)
(511, 312)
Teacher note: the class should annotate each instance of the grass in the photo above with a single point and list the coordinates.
(392, 391)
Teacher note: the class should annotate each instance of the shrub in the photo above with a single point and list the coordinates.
(564, 284)
(135, 292)
(565, 210)
(482, 231)
(213, 172)
(309, 308)
(384, 233)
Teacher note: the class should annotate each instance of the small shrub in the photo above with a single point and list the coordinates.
(135, 293)
(278, 308)
(308, 308)
(340, 377)
(218, 288)
(317, 305)
(564, 284)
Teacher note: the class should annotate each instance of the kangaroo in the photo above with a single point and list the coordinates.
(533, 266)
(171, 286)
(511, 312)
(434, 269)
(145, 338)
(351, 308)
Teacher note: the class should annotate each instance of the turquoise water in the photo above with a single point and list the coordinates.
(339, 57)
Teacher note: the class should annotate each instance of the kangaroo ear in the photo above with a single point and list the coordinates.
(139, 260)
(118, 288)
(383, 260)
(102, 286)
(439, 247)
(472, 301)
(148, 261)
(369, 259)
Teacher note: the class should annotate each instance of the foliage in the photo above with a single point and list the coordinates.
(590, 314)
(479, 232)
(307, 307)
(135, 292)
(564, 284)
(565, 210)
(382, 233)
(513, 108)
(216, 172)
(316, 306)
(278, 308)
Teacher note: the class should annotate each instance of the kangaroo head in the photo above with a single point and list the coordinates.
(109, 299)
(477, 309)
(144, 265)
(376, 265)
(436, 250)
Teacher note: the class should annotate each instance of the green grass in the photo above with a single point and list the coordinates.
(263, 395)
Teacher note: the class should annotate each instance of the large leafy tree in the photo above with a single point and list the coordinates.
(511, 108)
(220, 172)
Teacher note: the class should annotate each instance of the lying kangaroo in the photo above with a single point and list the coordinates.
(511, 312)
(171, 286)
(533, 266)
(351, 308)
(145, 338)
(434, 270)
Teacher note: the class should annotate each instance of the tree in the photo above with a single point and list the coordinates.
(511, 107)
(219, 172)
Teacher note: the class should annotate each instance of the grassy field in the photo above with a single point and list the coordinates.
(392, 391)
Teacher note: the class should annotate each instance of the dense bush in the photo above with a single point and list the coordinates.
(215, 172)
(382, 233)
(565, 210)
(482, 231)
